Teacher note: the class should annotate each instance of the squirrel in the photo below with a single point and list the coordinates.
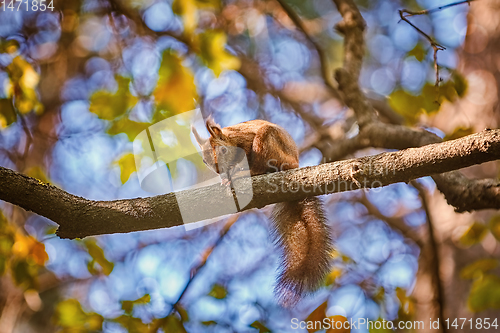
(299, 227)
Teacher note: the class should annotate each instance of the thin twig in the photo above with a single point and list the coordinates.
(435, 46)
(206, 254)
(433, 10)
(325, 73)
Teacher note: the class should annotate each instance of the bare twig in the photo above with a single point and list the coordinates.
(325, 72)
(433, 10)
(435, 46)
(204, 257)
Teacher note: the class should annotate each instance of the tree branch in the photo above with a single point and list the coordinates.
(78, 217)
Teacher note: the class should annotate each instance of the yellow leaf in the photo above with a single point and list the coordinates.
(218, 291)
(175, 92)
(24, 82)
(332, 276)
(214, 54)
(70, 315)
(479, 267)
(127, 126)
(97, 255)
(38, 173)
(127, 166)
(485, 293)
(261, 327)
(318, 314)
(189, 13)
(339, 324)
(494, 226)
(459, 132)
(473, 235)
(127, 306)
(174, 325)
(7, 113)
(107, 105)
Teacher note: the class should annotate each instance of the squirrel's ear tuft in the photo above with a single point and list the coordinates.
(198, 138)
(214, 129)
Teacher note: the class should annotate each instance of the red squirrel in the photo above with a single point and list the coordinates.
(300, 227)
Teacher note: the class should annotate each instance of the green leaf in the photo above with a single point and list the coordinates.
(7, 113)
(127, 166)
(213, 53)
(473, 235)
(218, 291)
(485, 293)
(418, 52)
(107, 105)
(97, 255)
(479, 267)
(261, 327)
(209, 323)
(494, 226)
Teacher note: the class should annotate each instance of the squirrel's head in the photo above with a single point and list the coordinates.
(217, 150)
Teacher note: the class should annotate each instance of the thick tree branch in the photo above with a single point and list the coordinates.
(79, 217)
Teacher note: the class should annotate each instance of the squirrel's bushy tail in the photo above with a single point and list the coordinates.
(300, 229)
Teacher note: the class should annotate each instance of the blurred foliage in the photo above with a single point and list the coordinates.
(109, 106)
(72, 318)
(474, 234)
(21, 255)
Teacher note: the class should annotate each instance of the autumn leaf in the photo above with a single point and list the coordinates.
(478, 267)
(214, 54)
(485, 293)
(218, 291)
(127, 306)
(108, 105)
(175, 92)
(7, 113)
(127, 166)
(97, 255)
(129, 127)
(24, 81)
(473, 235)
(318, 314)
(188, 11)
(70, 315)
